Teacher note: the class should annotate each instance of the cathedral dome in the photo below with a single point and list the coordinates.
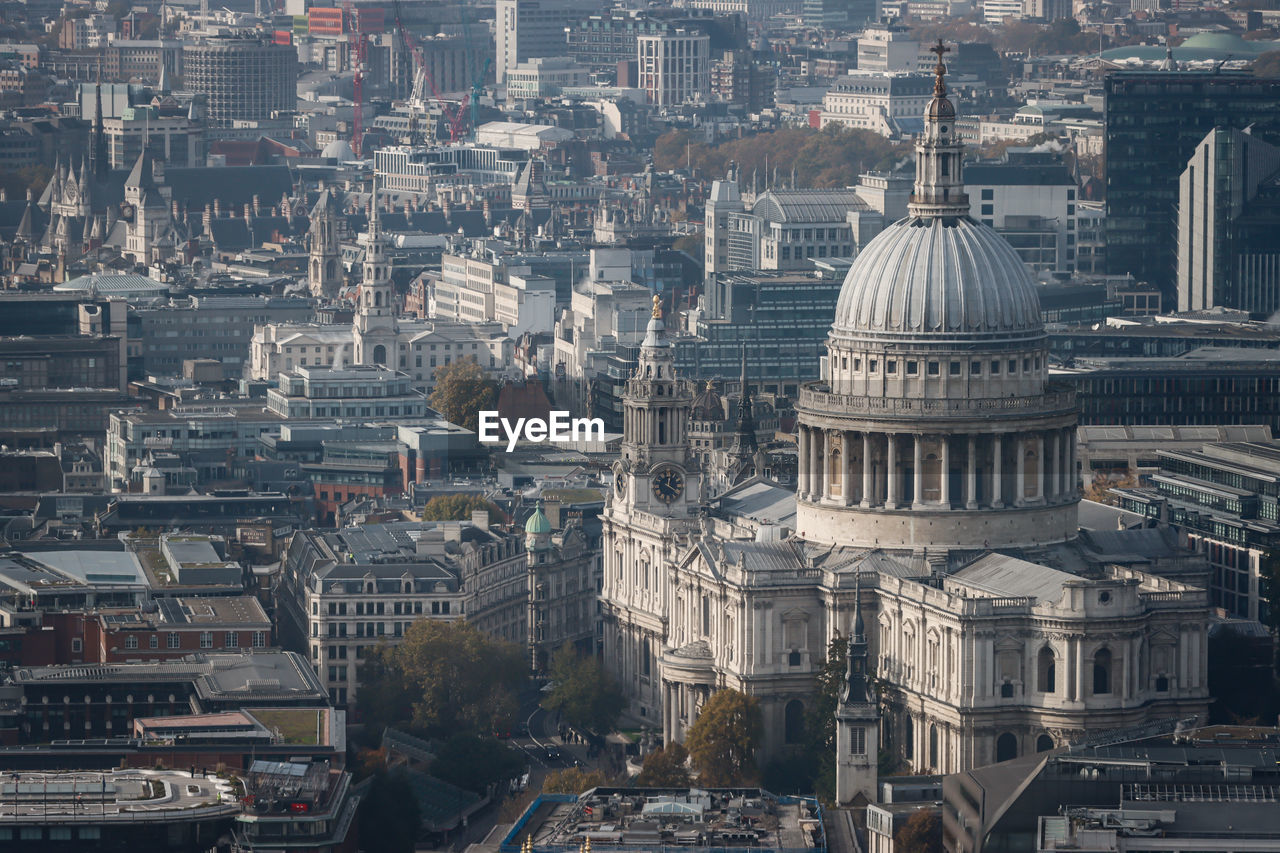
(707, 406)
(945, 275)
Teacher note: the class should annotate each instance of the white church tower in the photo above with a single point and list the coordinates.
(857, 721)
(375, 327)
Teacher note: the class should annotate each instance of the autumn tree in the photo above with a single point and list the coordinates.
(722, 742)
(584, 694)
(573, 780)
(922, 833)
(444, 678)
(1268, 64)
(457, 508)
(665, 768)
(462, 391)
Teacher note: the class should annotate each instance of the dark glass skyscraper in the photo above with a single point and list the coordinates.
(1154, 121)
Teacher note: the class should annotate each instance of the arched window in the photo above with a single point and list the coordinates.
(933, 746)
(377, 299)
(1044, 743)
(793, 721)
(645, 666)
(1006, 690)
(1047, 673)
(379, 354)
(1006, 746)
(1101, 672)
(835, 473)
(909, 738)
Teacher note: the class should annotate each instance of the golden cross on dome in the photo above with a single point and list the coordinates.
(657, 307)
(939, 70)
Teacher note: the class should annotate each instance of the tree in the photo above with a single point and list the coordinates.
(477, 763)
(922, 833)
(665, 768)
(573, 780)
(462, 391)
(389, 812)
(722, 742)
(457, 508)
(583, 693)
(445, 678)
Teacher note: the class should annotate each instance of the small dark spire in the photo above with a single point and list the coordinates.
(856, 687)
(744, 441)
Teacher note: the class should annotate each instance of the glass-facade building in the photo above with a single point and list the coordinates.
(1154, 121)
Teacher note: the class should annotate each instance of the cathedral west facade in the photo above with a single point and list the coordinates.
(936, 498)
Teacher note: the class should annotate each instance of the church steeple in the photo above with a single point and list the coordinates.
(857, 719)
(939, 188)
(856, 689)
(744, 439)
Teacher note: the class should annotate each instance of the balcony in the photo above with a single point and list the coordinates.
(816, 397)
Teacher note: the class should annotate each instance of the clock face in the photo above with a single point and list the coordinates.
(668, 484)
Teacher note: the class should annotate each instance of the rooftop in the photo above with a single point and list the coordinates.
(648, 818)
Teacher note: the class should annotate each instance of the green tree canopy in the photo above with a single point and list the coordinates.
(722, 742)
(389, 812)
(462, 391)
(573, 780)
(583, 693)
(448, 677)
(476, 763)
(457, 508)
(922, 833)
(665, 768)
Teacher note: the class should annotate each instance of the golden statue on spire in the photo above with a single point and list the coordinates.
(657, 307)
(939, 70)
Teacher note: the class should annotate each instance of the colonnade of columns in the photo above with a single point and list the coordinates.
(900, 470)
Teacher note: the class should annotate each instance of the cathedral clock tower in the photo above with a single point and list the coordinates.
(657, 472)
(654, 505)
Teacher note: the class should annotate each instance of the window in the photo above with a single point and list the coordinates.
(995, 368)
(913, 368)
(232, 640)
(934, 369)
(793, 722)
(988, 209)
(857, 741)
(1006, 746)
(173, 641)
(1044, 743)
(1102, 672)
(1013, 365)
(1006, 690)
(873, 365)
(975, 368)
(891, 367)
(153, 642)
(206, 639)
(1046, 671)
(77, 645)
(954, 368)
(988, 195)
(1162, 684)
(131, 641)
(794, 659)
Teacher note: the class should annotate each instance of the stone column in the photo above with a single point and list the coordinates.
(802, 457)
(1073, 477)
(917, 497)
(846, 447)
(891, 472)
(1042, 468)
(1020, 471)
(866, 470)
(815, 464)
(997, 458)
(971, 478)
(944, 474)
(1052, 467)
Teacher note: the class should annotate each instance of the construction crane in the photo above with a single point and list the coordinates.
(452, 113)
(358, 57)
(477, 79)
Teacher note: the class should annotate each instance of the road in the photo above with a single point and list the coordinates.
(543, 734)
